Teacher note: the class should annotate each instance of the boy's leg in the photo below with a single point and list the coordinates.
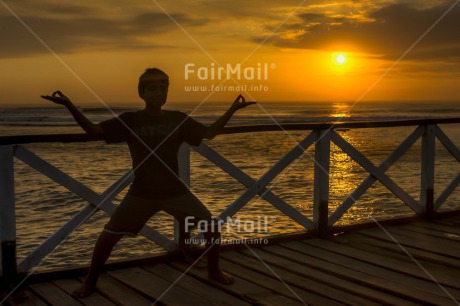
(189, 205)
(128, 219)
(213, 240)
(101, 253)
(184, 247)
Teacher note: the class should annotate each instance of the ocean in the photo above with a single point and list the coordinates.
(43, 206)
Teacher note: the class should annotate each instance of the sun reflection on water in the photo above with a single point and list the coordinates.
(340, 110)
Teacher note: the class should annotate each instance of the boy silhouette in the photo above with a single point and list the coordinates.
(156, 185)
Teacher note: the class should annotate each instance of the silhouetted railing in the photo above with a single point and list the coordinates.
(321, 135)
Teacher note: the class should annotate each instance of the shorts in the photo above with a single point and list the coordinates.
(134, 211)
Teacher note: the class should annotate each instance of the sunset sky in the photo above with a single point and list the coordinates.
(303, 50)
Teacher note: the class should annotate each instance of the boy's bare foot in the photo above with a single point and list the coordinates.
(83, 291)
(191, 259)
(221, 277)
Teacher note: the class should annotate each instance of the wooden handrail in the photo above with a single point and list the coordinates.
(7, 140)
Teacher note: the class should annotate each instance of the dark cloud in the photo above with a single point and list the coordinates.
(66, 9)
(312, 17)
(389, 32)
(67, 35)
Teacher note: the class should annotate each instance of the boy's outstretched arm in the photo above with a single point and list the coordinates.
(90, 128)
(217, 126)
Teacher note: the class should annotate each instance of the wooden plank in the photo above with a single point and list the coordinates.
(447, 143)
(310, 279)
(184, 163)
(192, 284)
(443, 225)
(273, 283)
(53, 294)
(455, 218)
(448, 223)
(299, 281)
(397, 234)
(156, 287)
(429, 232)
(357, 291)
(392, 264)
(427, 175)
(321, 182)
(370, 268)
(439, 227)
(276, 301)
(427, 266)
(362, 241)
(119, 293)
(294, 297)
(8, 264)
(68, 138)
(447, 192)
(401, 231)
(25, 297)
(248, 291)
(184, 175)
(359, 244)
(436, 246)
(69, 285)
(333, 125)
(7, 199)
(397, 289)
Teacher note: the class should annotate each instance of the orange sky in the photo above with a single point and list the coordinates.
(95, 50)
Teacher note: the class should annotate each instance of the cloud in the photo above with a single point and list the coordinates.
(75, 33)
(388, 31)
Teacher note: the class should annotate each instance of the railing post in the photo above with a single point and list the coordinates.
(184, 173)
(321, 183)
(8, 263)
(427, 175)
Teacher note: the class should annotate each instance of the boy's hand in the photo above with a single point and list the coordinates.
(237, 104)
(58, 98)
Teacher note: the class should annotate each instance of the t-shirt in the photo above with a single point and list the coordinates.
(155, 176)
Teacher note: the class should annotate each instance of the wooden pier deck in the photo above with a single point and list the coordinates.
(364, 267)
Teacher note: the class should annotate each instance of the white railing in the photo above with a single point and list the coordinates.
(321, 135)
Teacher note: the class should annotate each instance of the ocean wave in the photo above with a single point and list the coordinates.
(45, 119)
(237, 120)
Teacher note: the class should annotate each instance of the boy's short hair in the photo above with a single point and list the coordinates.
(145, 79)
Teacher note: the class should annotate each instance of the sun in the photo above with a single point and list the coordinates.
(340, 59)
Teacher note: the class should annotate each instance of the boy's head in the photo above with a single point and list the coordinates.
(153, 86)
